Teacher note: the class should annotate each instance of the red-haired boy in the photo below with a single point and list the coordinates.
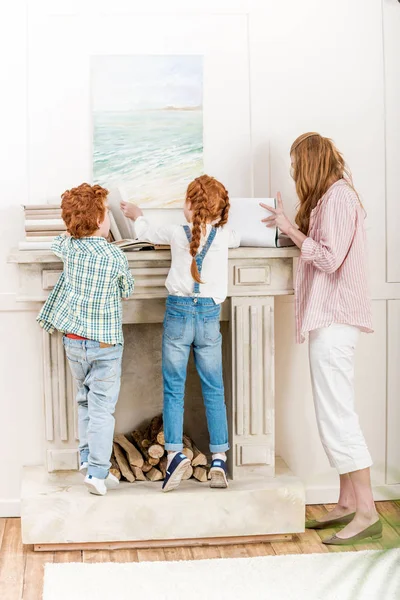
(85, 306)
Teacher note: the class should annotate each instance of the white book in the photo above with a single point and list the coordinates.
(35, 245)
(114, 228)
(42, 216)
(45, 224)
(42, 206)
(123, 223)
(245, 217)
(39, 239)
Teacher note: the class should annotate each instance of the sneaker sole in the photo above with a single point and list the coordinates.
(218, 478)
(176, 477)
(93, 490)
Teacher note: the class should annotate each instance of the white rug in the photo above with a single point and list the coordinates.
(369, 575)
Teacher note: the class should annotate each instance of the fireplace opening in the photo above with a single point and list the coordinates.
(139, 409)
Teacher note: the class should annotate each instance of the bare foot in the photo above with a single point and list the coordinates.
(359, 523)
(337, 513)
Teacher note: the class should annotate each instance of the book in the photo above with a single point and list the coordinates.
(33, 207)
(114, 228)
(284, 241)
(40, 238)
(48, 233)
(245, 217)
(123, 223)
(54, 214)
(134, 245)
(35, 245)
(45, 225)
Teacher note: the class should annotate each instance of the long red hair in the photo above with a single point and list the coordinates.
(317, 164)
(208, 200)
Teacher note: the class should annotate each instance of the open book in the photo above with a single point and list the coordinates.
(135, 245)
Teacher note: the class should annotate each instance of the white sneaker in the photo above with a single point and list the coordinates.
(100, 486)
(83, 467)
(111, 482)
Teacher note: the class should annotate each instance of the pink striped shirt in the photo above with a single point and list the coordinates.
(331, 283)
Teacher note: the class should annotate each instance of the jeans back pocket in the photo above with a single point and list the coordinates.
(77, 370)
(174, 326)
(212, 330)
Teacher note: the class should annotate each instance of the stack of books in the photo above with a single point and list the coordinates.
(43, 223)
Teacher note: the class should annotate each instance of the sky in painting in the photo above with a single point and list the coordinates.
(143, 82)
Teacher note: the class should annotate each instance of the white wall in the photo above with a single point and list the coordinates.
(273, 71)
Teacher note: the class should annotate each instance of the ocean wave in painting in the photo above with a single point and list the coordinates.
(151, 155)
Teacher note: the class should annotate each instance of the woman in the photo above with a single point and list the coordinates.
(332, 305)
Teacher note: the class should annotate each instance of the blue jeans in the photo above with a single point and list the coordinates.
(97, 374)
(193, 322)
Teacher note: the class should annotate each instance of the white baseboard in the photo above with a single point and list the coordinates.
(329, 495)
(10, 508)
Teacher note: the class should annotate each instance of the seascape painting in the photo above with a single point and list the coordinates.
(147, 126)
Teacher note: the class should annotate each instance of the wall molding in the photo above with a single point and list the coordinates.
(10, 508)
(9, 303)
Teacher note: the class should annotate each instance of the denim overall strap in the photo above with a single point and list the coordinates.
(200, 257)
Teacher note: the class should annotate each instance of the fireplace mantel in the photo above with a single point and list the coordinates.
(256, 276)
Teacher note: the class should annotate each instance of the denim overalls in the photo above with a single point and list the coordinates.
(192, 321)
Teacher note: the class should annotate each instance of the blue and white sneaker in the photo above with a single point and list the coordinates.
(175, 472)
(83, 467)
(218, 474)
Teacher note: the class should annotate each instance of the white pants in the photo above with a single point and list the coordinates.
(331, 352)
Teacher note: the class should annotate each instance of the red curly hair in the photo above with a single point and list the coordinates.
(83, 208)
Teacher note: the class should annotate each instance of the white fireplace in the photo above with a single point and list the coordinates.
(263, 498)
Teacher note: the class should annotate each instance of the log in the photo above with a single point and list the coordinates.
(138, 473)
(156, 451)
(149, 435)
(146, 467)
(200, 473)
(135, 458)
(188, 452)
(188, 473)
(198, 458)
(145, 440)
(114, 469)
(163, 466)
(155, 426)
(154, 475)
(123, 463)
(148, 463)
(161, 437)
(187, 441)
(140, 441)
(153, 461)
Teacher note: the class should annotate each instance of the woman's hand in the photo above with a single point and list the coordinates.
(278, 218)
(130, 210)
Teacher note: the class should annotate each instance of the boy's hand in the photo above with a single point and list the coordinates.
(130, 210)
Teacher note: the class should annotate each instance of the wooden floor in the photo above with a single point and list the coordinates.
(21, 569)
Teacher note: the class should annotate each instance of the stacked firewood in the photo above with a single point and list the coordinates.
(141, 455)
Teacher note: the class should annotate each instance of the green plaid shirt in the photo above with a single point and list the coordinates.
(86, 300)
